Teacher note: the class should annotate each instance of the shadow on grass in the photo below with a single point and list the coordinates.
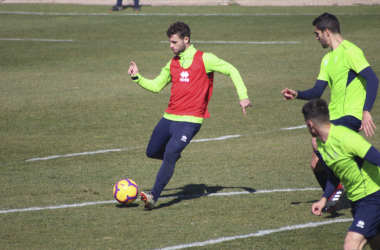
(334, 214)
(303, 202)
(194, 191)
(127, 205)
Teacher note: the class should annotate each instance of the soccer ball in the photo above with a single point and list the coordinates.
(125, 191)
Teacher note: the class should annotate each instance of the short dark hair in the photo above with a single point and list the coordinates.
(317, 111)
(327, 21)
(180, 29)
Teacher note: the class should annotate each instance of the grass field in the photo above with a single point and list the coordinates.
(72, 124)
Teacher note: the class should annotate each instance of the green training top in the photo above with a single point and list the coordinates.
(212, 64)
(343, 153)
(340, 68)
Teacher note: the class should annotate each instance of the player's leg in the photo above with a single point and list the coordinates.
(136, 7)
(181, 135)
(118, 6)
(158, 140)
(319, 171)
(354, 240)
(375, 242)
(316, 165)
(365, 227)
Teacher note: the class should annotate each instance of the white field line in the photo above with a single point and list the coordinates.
(236, 42)
(164, 197)
(217, 138)
(258, 234)
(172, 14)
(241, 192)
(213, 42)
(83, 153)
(124, 149)
(35, 40)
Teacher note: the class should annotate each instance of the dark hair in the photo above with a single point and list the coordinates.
(317, 111)
(180, 29)
(327, 21)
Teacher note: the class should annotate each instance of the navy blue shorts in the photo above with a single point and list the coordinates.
(366, 213)
(348, 121)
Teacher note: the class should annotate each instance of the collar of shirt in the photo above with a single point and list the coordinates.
(186, 57)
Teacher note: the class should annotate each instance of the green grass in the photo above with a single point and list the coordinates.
(60, 98)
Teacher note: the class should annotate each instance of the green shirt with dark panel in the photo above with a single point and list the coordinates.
(344, 152)
(340, 68)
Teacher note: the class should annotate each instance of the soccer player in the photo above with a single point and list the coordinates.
(353, 161)
(353, 89)
(191, 74)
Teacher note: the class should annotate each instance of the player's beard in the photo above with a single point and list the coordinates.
(324, 43)
(180, 49)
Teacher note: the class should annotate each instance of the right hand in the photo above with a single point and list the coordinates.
(289, 94)
(317, 207)
(133, 70)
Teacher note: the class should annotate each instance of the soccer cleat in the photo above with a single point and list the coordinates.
(137, 9)
(333, 203)
(148, 199)
(115, 8)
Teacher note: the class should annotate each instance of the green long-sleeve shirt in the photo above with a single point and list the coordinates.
(212, 64)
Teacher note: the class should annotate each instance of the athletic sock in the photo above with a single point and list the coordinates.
(321, 178)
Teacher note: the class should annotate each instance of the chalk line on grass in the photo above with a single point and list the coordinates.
(83, 153)
(174, 14)
(36, 40)
(258, 234)
(124, 149)
(163, 197)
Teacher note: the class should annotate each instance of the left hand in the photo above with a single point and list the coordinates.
(244, 104)
(367, 124)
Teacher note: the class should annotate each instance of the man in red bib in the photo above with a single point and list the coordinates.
(192, 74)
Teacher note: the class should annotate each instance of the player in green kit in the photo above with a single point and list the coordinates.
(353, 89)
(351, 160)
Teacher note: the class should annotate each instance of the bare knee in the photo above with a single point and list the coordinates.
(314, 159)
(353, 241)
(315, 164)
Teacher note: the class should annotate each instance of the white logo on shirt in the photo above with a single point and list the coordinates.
(326, 61)
(184, 138)
(360, 224)
(184, 77)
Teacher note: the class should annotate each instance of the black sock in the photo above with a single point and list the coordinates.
(321, 178)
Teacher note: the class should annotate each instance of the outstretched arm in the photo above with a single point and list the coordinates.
(371, 90)
(155, 85)
(315, 92)
(215, 64)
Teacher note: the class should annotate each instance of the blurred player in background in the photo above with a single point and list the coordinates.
(353, 89)
(119, 6)
(353, 161)
(191, 73)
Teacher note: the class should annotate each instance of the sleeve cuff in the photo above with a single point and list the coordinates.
(136, 78)
(243, 96)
